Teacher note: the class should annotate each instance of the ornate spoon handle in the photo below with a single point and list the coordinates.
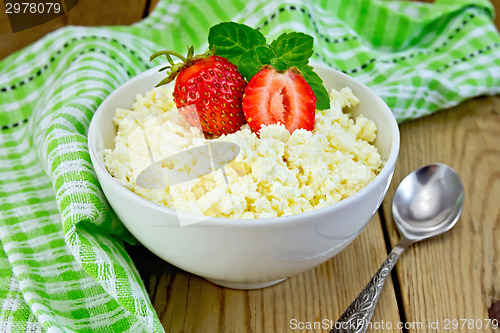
(356, 317)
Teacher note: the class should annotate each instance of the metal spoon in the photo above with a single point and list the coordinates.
(427, 203)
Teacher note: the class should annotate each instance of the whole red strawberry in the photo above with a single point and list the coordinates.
(273, 97)
(208, 91)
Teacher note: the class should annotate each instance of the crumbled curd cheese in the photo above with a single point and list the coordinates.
(274, 175)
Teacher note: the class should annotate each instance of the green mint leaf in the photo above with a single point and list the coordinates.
(322, 98)
(252, 61)
(280, 64)
(249, 64)
(265, 54)
(294, 48)
(232, 40)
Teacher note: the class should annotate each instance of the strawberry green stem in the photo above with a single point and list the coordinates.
(167, 53)
(176, 68)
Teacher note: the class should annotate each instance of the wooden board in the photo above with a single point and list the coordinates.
(456, 275)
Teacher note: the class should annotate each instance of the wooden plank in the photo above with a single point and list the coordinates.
(187, 303)
(456, 275)
(496, 4)
(86, 13)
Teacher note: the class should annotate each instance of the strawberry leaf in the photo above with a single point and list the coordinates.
(322, 98)
(232, 40)
(294, 48)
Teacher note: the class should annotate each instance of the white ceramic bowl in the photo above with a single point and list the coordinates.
(246, 254)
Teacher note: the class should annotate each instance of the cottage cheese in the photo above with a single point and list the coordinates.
(274, 175)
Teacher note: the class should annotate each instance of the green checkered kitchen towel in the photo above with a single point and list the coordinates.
(62, 261)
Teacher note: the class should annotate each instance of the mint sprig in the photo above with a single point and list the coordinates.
(234, 40)
(247, 48)
(322, 98)
(294, 48)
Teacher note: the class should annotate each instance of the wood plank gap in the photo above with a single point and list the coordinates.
(394, 275)
(145, 13)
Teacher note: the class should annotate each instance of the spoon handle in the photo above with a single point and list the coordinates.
(356, 317)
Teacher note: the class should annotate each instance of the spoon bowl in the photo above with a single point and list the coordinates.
(428, 202)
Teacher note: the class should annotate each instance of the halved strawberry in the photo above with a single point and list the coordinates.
(273, 97)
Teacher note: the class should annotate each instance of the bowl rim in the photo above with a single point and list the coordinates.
(386, 171)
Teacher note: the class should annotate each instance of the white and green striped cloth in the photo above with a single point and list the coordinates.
(62, 261)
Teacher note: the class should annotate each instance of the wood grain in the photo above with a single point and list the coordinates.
(86, 13)
(456, 275)
(187, 303)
